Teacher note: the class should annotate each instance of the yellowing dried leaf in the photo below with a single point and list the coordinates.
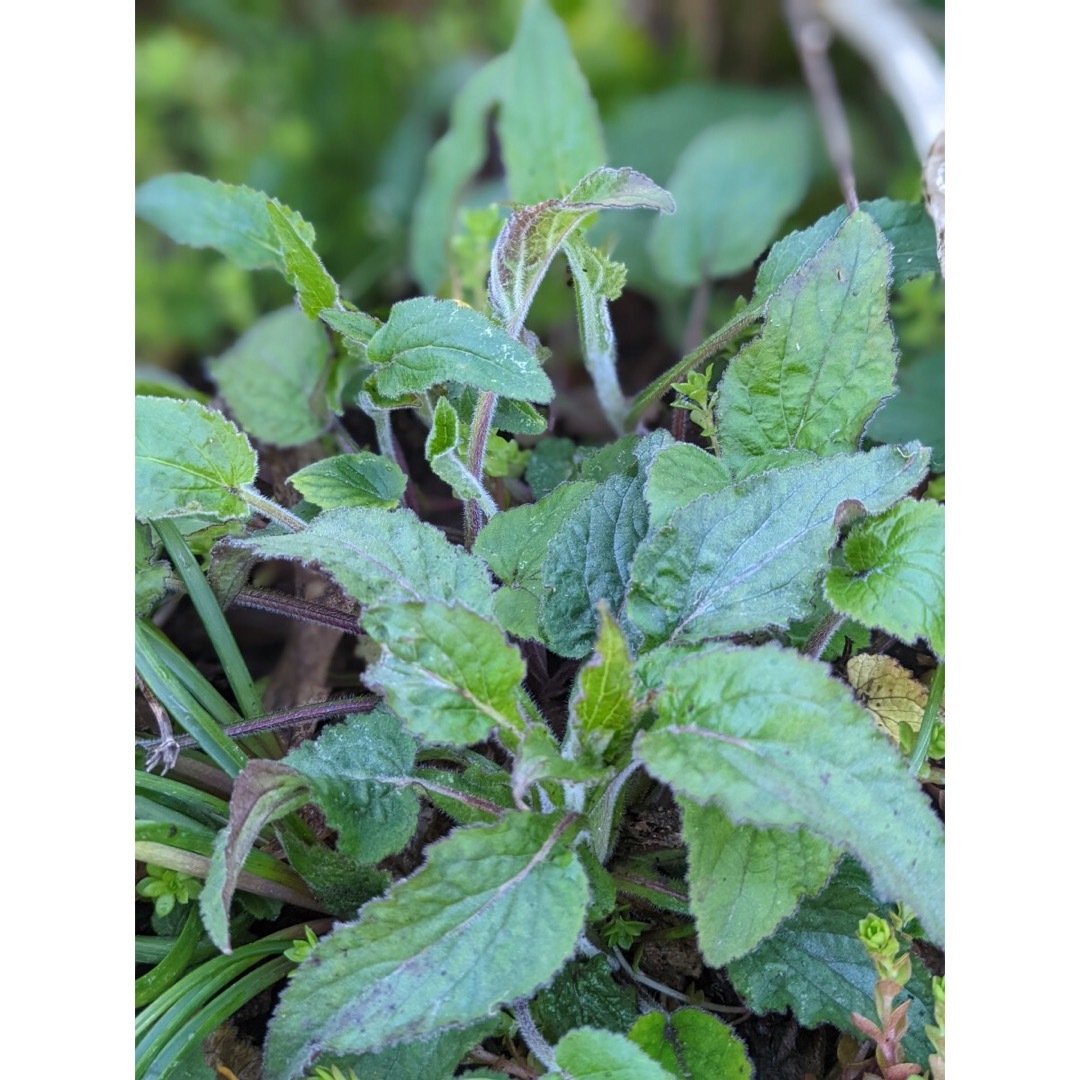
(889, 691)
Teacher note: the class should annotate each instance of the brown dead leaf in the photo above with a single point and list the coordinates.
(892, 694)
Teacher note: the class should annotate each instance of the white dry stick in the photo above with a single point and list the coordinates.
(890, 39)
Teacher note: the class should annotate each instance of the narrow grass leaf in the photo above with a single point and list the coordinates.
(445, 948)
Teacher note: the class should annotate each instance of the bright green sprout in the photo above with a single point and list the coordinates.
(167, 888)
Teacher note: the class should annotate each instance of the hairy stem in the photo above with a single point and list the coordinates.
(708, 348)
(294, 607)
(270, 509)
(478, 440)
(540, 1048)
(305, 714)
(822, 635)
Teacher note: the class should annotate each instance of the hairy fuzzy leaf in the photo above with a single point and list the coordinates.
(529, 240)
(692, 1045)
(315, 288)
(594, 1054)
(906, 226)
(816, 966)
(355, 326)
(441, 450)
(362, 479)
(602, 709)
(588, 560)
(206, 213)
(360, 772)
(337, 881)
(426, 342)
(151, 573)
(396, 975)
(263, 792)
(584, 993)
(825, 359)
(679, 475)
(766, 735)
(734, 185)
(189, 460)
(449, 673)
(386, 555)
(273, 378)
(749, 556)
(744, 880)
(515, 544)
(548, 126)
(456, 157)
(894, 577)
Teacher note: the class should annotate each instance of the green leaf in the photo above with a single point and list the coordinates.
(515, 544)
(441, 450)
(189, 460)
(475, 782)
(692, 1045)
(906, 226)
(360, 772)
(449, 673)
(824, 361)
(918, 410)
(436, 1058)
(446, 947)
(205, 213)
(529, 241)
(362, 479)
(602, 708)
(551, 463)
(151, 573)
(386, 555)
(426, 342)
(263, 792)
(766, 735)
(748, 557)
(548, 126)
(816, 966)
(593, 1054)
(274, 378)
(517, 417)
(734, 185)
(589, 559)
(339, 883)
(456, 157)
(679, 475)
(894, 577)
(584, 993)
(315, 288)
(744, 881)
(356, 327)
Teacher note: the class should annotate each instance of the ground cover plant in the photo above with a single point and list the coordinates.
(607, 736)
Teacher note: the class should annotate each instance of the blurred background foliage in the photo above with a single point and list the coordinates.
(332, 106)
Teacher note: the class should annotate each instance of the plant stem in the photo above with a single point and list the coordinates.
(811, 34)
(269, 508)
(540, 1048)
(930, 715)
(667, 991)
(822, 635)
(294, 607)
(478, 439)
(709, 347)
(305, 714)
(500, 1064)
